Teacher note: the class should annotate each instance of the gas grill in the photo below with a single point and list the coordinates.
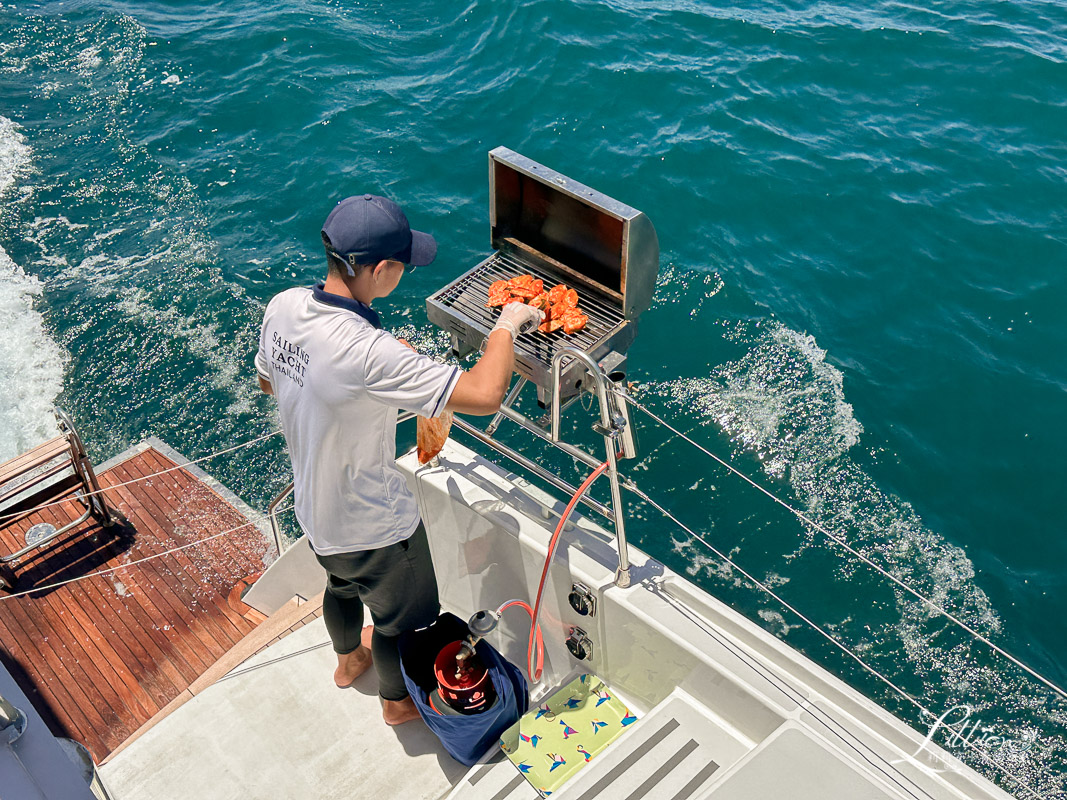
(556, 229)
(548, 226)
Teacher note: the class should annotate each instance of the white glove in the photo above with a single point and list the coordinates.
(518, 318)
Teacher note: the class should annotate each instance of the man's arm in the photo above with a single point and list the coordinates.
(480, 390)
(265, 385)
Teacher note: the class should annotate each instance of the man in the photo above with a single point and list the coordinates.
(339, 380)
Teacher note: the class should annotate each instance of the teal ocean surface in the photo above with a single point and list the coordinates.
(861, 213)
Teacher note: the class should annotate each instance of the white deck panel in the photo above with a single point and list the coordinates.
(277, 727)
(794, 764)
(728, 711)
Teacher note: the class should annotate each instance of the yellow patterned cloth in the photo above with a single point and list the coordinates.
(551, 742)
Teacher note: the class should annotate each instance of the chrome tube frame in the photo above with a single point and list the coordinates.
(533, 467)
(499, 416)
(90, 496)
(610, 427)
(272, 515)
(84, 467)
(521, 419)
(50, 537)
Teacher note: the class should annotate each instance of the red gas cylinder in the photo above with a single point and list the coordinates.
(466, 687)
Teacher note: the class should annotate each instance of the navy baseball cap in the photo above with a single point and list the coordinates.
(366, 229)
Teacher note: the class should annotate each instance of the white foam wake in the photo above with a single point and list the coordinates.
(784, 403)
(31, 363)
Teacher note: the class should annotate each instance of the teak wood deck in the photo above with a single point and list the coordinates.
(100, 656)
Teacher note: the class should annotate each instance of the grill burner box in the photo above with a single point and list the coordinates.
(556, 229)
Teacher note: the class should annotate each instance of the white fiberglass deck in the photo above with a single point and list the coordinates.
(277, 727)
(728, 712)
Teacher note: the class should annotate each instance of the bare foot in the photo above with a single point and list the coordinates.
(351, 665)
(397, 712)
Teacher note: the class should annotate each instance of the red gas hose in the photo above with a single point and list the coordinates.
(535, 629)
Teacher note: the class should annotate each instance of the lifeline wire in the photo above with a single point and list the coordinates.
(777, 597)
(800, 515)
(208, 457)
(632, 488)
(982, 753)
(152, 557)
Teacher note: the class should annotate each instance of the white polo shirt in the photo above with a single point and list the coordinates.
(339, 380)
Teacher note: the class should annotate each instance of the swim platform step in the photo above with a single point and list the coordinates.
(672, 753)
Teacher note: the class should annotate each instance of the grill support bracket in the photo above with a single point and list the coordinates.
(612, 425)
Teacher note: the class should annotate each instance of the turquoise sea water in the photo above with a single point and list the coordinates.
(864, 269)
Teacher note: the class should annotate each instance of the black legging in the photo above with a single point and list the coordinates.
(398, 585)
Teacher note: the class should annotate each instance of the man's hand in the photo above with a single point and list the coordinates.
(519, 318)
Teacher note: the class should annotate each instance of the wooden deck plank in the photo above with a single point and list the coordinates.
(170, 596)
(238, 548)
(153, 656)
(44, 669)
(115, 650)
(252, 544)
(222, 579)
(116, 676)
(183, 488)
(149, 606)
(105, 653)
(41, 454)
(167, 492)
(54, 656)
(191, 578)
(85, 665)
(57, 641)
(151, 666)
(81, 665)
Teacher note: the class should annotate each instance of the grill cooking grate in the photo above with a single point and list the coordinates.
(468, 295)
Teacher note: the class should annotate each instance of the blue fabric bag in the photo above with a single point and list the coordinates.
(466, 738)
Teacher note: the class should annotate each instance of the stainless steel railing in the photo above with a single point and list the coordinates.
(272, 515)
(613, 425)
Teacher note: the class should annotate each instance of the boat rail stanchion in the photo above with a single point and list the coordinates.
(272, 515)
(610, 427)
(13, 721)
(554, 407)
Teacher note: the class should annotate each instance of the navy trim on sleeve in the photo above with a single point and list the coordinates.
(347, 303)
(444, 393)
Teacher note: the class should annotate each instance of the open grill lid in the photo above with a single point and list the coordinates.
(594, 240)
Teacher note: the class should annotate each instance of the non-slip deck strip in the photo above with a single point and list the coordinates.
(642, 750)
(673, 752)
(510, 787)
